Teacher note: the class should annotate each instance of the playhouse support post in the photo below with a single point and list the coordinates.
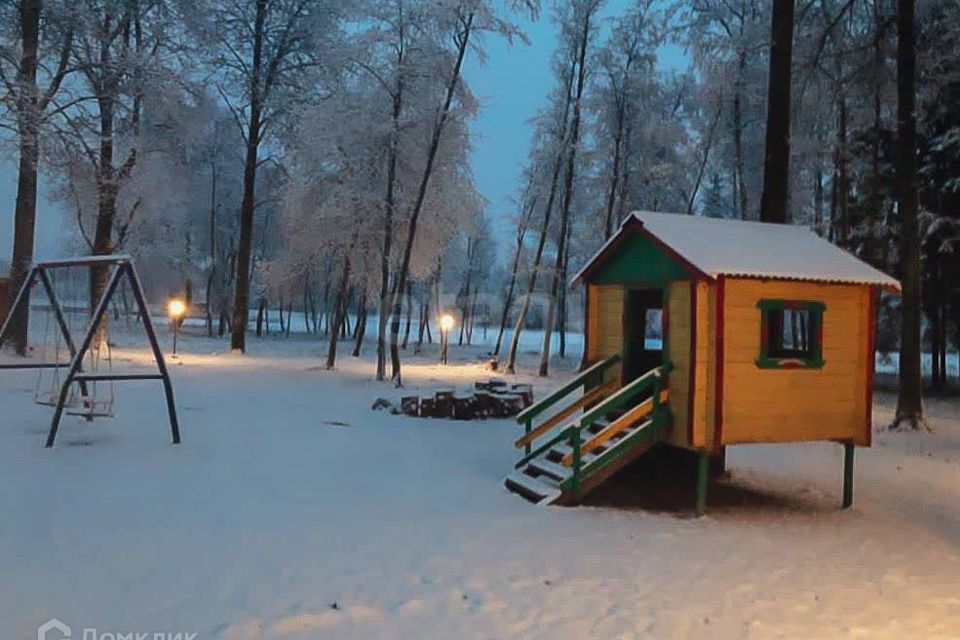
(703, 475)
(847, 475)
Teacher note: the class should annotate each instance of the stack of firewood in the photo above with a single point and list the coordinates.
(493, 398)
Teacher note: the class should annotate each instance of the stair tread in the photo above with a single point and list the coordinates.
(552, 469)
(614, 443)
(565, 450)
(531, 488)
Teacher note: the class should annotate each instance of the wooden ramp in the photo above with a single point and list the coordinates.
(567, 455)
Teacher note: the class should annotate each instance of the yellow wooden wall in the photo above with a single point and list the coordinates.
(692, 424)
(678, 350)
(786, 405)
(604, 323)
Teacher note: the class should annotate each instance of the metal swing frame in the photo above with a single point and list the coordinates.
(122, 267)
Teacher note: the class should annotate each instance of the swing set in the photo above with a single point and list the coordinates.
(86, 390)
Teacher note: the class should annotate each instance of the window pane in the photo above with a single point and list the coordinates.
(789, 333)
(653, 338)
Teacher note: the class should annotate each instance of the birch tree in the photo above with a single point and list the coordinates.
(467, 19)
(579, 27)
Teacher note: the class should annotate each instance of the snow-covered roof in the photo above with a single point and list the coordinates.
(753, 249)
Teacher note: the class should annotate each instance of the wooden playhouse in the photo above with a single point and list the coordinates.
(702, 333)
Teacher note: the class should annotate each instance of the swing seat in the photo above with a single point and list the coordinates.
(92, 407)
(50, 399)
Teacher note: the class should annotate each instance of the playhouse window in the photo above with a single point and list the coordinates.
(790, 334)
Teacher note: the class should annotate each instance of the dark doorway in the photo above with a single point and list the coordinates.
(643, 332)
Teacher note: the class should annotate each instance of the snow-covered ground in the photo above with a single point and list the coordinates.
(291, 510)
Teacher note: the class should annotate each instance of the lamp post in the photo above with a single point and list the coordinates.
(446, 323)
(175, 309)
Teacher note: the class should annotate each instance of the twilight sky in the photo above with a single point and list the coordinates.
(511, 86)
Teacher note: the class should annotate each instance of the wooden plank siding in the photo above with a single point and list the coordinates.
(604, 324)
(678, 350)
(705, 375)
(789, 405)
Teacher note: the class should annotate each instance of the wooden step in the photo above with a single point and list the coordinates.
(561, 450)
(556, 471)
(600, 472)
(531, 488)
(598, 426)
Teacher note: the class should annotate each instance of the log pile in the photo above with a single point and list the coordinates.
(493, 398)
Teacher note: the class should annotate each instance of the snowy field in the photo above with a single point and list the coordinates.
(293, 511)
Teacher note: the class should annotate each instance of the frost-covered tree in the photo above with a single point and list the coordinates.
(35, 42)
(334, 201)
(464, 22)
(270, 56)
(121, 52)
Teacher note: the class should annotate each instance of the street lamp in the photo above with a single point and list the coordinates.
(446, 323)
(175, 309)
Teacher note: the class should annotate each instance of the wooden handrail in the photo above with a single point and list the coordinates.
(624, 394)
(536, 409)
(591, 396)
(625, 421)
(562, 435)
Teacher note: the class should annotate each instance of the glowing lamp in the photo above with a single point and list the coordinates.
(176, 308)
(446, 322)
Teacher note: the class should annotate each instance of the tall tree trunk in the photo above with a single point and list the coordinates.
(776, 168)
(624, 197)
(910, 398)
(212, 230)
(340, 312)
(106, 199)
(704, 160)
(28, 130)
(406, 331)
(562, 303)
(508, 299)
(818, 200)
(463, 40)
(241, 301)
(261, 306)
(874, 197)
(573, 143)
(843, 186)
(361, 323)
(741, 183)
(545, 229)
(615, 169)
(935, 318)
(386, 301)
(306, 303)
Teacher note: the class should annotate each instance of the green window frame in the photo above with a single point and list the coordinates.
(802, 346)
